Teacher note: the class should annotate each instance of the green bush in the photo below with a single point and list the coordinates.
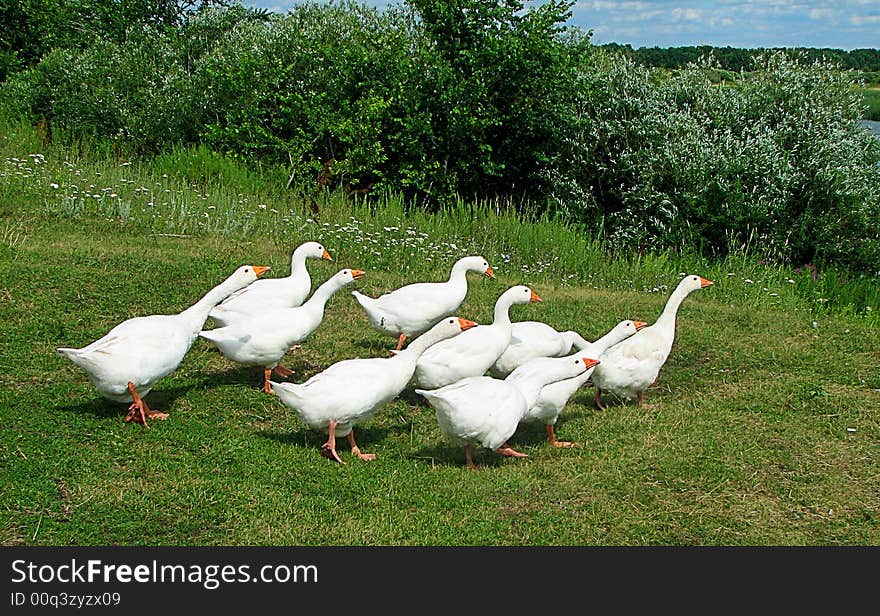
(776, 163)
(485, 99)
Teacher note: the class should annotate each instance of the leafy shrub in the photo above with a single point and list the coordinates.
(439, 99)
(775, 162)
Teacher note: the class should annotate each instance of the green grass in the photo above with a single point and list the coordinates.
(764, 429)
(871, 96)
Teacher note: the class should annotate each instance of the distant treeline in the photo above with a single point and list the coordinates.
(737, 59)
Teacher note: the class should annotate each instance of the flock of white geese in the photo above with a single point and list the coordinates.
(482, 381)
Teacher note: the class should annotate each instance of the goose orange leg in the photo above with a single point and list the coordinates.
(356, 451)
(598, 399)
(507, 451)
(328, 449)
(641, 398)
(267, 373)
(469, 457)
(139, 412)
(400, 340)
(552, 435)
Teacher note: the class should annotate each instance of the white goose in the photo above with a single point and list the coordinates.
(473, 353)
(485, 410)
(415, 308)
(264, 339)
(531, 339)
(126, 363)
(351, 391)
(553, 397)
(269, 293)
(629, 368)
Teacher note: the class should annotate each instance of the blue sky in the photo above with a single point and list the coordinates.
(842, 24)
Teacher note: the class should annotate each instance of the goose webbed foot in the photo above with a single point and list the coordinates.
(552, 436)
(356, 451)
(139, 412)
(328, 449)
(282, 371)
(507, 451)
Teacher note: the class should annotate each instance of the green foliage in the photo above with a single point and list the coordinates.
(197, 192)
(485, 99)
(29, 29)
(776, 161)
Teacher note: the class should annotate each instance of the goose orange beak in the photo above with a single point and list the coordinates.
(490, 273)
(589, 363)
(705, 283)
(465, 324)
(259, 270)
(358, 274)
(535, 298)
(326, 256)
(639, 324)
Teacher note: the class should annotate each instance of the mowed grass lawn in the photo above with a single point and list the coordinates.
(764, 427)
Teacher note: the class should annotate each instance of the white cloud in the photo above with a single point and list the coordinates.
(820, 13)
(863, 20)
(679, 13)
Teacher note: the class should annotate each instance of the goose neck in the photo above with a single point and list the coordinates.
(575, 340)
(666, 320)
(421, 344)
(459, 271)
(322, 294)
(298, 262)
(501, 314)
(529, 386)
(196, 315)
(602, 344)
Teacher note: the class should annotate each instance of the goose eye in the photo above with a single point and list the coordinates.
(451, 320)
(247, 269)
(577, 361)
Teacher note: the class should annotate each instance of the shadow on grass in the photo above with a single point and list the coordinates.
(410, 396)
(378, 348)
(452, 456)
(252, 376)
(158, 400)
(365, 437)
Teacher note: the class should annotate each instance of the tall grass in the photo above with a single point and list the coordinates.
(195, 192)
(871, 98)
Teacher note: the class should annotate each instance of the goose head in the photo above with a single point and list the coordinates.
(550, 369)
(447, 328)
(313, 250)
(520, 294)
(347, 276)
(476, 264)
(627, 328)
(246, 274)
(693, 283)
